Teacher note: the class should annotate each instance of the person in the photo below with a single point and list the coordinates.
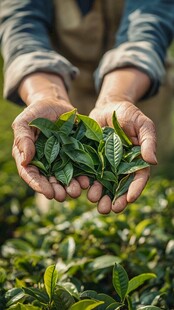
(45, 43)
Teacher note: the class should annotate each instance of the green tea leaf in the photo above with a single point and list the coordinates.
(46, 126)
(13, 296)
(126, 168)
(80, 131)
(62, 299)
(65, 174)
(101, 150)
(40, 165)
(66, 116)
(149, 308)
(68, 125)
(123, 186)
(81, 169)
(50, 280)
(120, 281)
(115, 306)
(75, 144)
(133, 153)
(93, 153)
(86, 304)
(60, 163)
(107, 131)
(110, 176)
(78, 156)
(20, 306)
(137, 281)
(93, 130)
(37, 294)
(119, 131)
(107, 184)
(103, 261)
(114, 150)
(40, 145)
(51, 149)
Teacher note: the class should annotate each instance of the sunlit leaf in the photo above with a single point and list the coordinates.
(50, 280)
(125, 140)
(93, 130)
(137, 281)
(86, 304)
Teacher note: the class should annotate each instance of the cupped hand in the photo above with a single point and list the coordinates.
(24, 148)
(141, 131)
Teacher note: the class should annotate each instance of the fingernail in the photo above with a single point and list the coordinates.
(155, 159)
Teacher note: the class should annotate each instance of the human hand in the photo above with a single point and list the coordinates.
(140, 130)
(138, 127)
(41, 103)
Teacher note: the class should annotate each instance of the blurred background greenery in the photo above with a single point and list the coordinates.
(13, 191)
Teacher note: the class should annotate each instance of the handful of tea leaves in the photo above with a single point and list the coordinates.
(76, 145)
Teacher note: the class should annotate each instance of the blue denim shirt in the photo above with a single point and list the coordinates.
(145, 32)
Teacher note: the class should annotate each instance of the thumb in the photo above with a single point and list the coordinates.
(24, 142)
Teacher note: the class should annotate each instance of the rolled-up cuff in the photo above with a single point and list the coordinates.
(140, 55)
(36, 62)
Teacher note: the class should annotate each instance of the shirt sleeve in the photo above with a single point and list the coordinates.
(145, 33)
(25, 28)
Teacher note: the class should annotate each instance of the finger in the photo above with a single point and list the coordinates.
(24, 138)
(104, 205)
(137, 185)
(83, 181)
(95, 192)
(59, 191)
(120, 204)
(31, 176)
(73, 189)
(26, 149)
(147, 138)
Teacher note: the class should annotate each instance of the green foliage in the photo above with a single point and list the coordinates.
(76, 145)
(86, 246)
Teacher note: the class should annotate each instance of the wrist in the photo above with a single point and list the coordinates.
(38, 86)
(123, 85)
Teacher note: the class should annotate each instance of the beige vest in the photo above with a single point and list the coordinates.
(83, 40)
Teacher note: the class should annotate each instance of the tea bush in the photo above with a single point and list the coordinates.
(85, 246)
